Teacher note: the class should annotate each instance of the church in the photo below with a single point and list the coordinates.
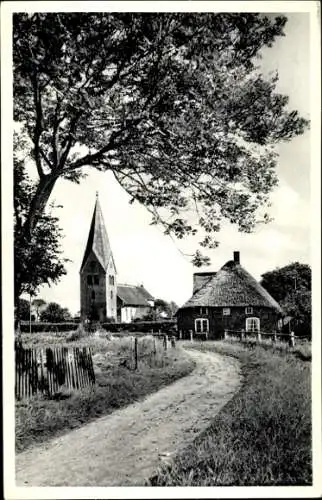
(101, 297)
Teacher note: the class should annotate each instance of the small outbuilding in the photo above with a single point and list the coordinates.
(227, 299)
(133, 303)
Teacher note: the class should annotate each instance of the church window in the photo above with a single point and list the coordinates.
(96, 280)
(111, 295)
(89, 280)
(92, 265)
(111, 280)
(93, 295)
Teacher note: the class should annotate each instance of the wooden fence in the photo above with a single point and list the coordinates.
(258, 336)
(49, 370)
(138, 352)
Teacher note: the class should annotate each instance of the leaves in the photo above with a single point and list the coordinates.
(172, 103)
(291, 287)
(54, 313)
(36, 260)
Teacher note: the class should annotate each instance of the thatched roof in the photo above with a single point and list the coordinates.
(131, 295)
(98, 241)
(200, 279)
(232, 286)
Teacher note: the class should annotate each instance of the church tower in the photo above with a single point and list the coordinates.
(98, 288)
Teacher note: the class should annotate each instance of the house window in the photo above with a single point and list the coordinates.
(204, 310)
(201, 325)
(89, 280)
(226, 311)
(96, 280)
(93, 295)
(252, 325)
(248, 310)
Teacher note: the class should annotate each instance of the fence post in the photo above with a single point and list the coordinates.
(259, 337)
(191, 335)
(225, 334)
(242, 335)
(180, 334)
(274, 338)
(165, 342)
(135, 353)
(291, 342)
(173, 341)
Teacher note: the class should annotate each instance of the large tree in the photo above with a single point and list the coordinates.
(283, 281)
(174, 104)
(291, 287)
(55, 313)
(37, 260)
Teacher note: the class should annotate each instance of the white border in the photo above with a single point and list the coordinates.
(13, 492)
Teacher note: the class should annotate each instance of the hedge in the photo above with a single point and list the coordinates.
(164, 326)
(37, 327)
(168, 326)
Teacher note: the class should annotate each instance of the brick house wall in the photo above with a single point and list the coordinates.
(218, 322)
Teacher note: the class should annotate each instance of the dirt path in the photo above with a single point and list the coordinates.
(124, 448)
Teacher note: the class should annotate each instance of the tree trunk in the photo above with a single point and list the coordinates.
(37, 207)
(39, 202)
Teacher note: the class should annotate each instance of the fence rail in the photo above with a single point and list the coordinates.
(290, 338)
(49, 370)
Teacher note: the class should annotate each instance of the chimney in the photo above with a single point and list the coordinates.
(236, 258)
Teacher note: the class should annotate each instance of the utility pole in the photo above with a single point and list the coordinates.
(29, 312)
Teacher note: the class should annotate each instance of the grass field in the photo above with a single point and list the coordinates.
(263, 435)
(40, 419)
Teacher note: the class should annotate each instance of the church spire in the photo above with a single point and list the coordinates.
(98, 241)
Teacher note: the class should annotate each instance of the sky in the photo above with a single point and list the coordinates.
(144, 255)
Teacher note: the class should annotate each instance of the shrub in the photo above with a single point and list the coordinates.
(38, 327)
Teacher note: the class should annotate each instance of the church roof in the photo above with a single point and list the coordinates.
(232, 286)
(132, 295)
(98, 241)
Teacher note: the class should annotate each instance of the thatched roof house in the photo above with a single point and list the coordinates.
(228, 299)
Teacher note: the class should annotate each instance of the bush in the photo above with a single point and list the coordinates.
(38, 327)
(164, 326)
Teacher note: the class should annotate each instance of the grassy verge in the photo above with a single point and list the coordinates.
(262, 436)
(39, 419)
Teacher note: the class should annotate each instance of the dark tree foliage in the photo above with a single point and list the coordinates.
(163, 307)
(37, 260)
(172, 103)
(285, 280)
(291, 287)
(22, 310)
(54, 313)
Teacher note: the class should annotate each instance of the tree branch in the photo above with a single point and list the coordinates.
(38, 125)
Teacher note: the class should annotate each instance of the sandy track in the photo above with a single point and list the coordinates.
(124, 448)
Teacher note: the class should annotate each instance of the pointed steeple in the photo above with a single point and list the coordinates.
(98, 241)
